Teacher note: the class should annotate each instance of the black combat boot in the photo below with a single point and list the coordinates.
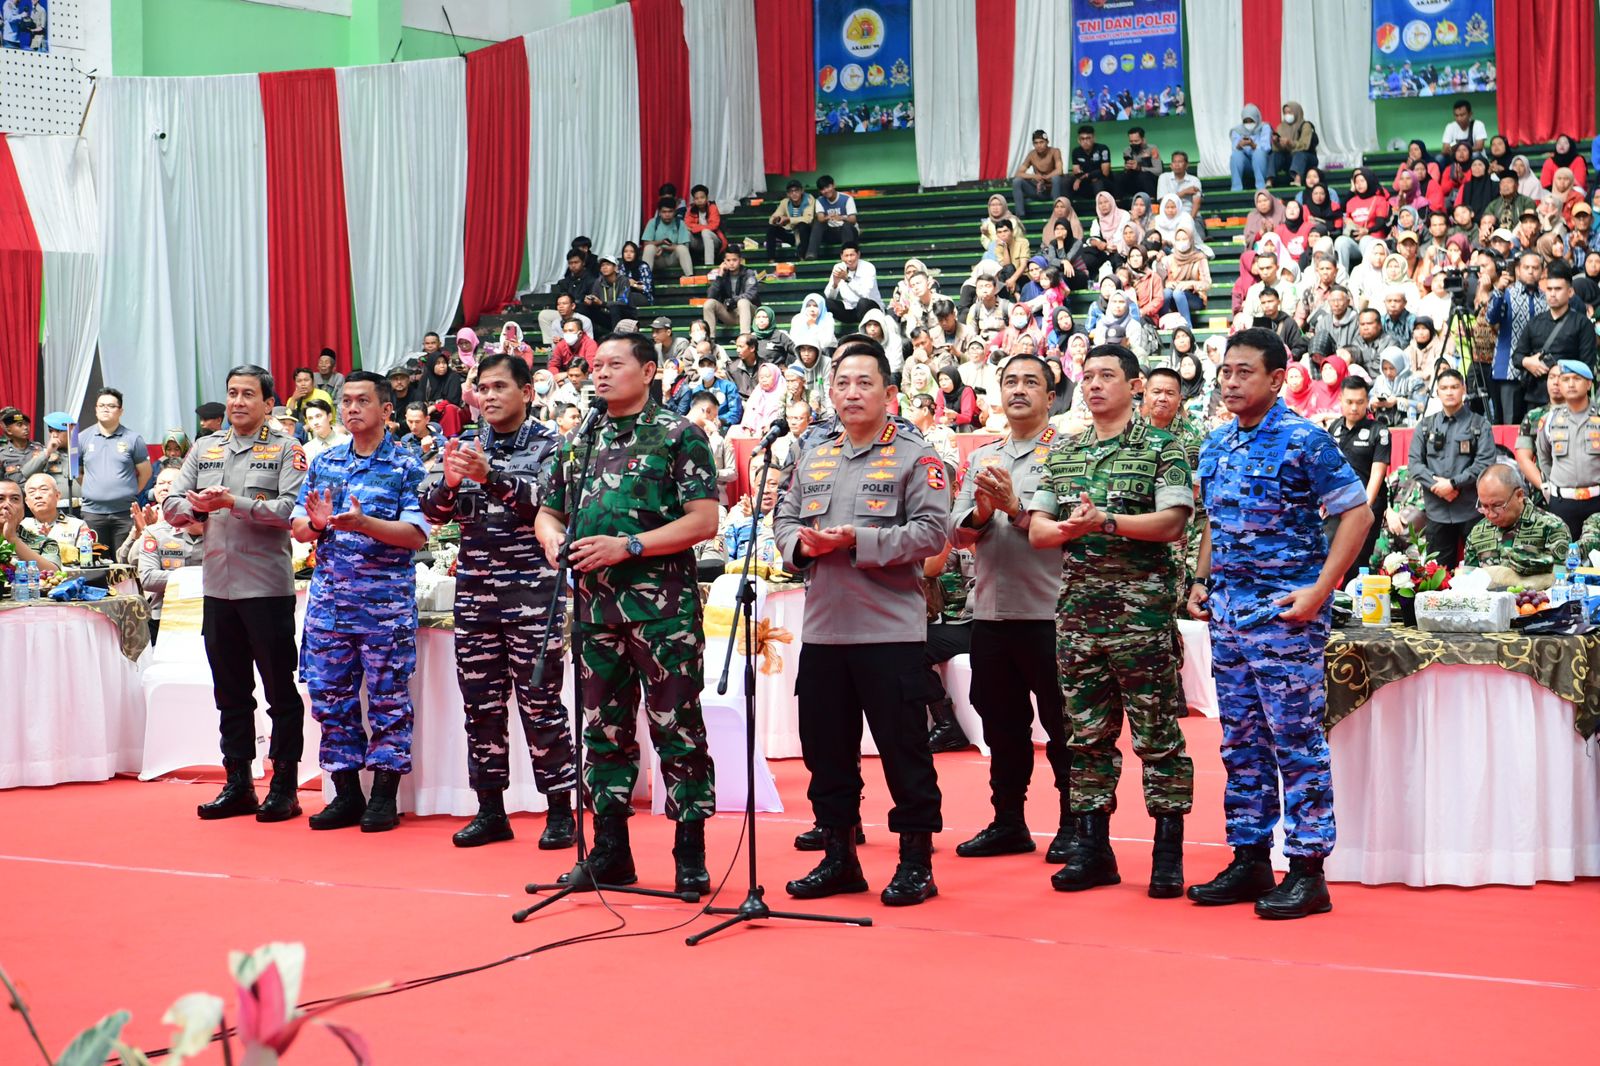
(348, 803)
(1090, 860)
(559, 829)
(1166, 867)
(382, 813)
(1304, 891)
(811, 839)
(1063, 838)
(489, 825)
(946, 734)
(1006, 835)
(838, 872)
(913, 878)
(689, 855)
(283, 797)
(238, 795)
(1244, 880)
(611, 860)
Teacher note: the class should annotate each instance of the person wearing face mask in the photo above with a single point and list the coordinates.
(541, 408)
(730, 409)
(1251, 149)
(573, 344)
(1294, 143)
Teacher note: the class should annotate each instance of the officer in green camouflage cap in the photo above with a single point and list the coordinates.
(650, 498)
(1115, 498)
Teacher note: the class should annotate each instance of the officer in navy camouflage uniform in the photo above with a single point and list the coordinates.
(1266, 580)
(359, 504)
(504, 584)
(649, 498)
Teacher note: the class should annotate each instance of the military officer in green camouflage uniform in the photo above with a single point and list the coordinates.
(1114, 498)
(650, 498)
(1163, 408)
(1513, 533)
(1526, 449)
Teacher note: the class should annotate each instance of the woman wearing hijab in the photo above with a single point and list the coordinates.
(1297, 392)
(765, 404)
(1292, 233)
(997, 210)
(1565, 155)
(1499, 155)
(773, 345)
(1170, 214)
(1323, 209)
(1407, 193)
(441, 394)
(1528, 183)
(918, 381)
(1119, 321)
(1147, 282)
(641, 282)
(1422, 354)
(1061, 328)
(1366, 282)
(1263, 217)
(1252, 149)
(1294, 143)
(1312, 179)
(959, 402)
(1366, 209)
(1416, 152)
(1063, 388)
(1480, 189)
(1019, 323)
(511, 342)
(1563, 196)
(1326, 388)
(1105, 233)
(813, 324)
(1188, 277)
(1247, 277)
(1191, 373)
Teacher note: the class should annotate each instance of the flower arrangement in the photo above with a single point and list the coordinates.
(267, 981)
(1411, 569)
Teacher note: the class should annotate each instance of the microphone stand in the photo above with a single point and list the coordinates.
(580, 879)
(754, 907)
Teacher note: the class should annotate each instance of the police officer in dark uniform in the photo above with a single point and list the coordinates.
(242, 483)
(1449, 449)
(1365, 444)
(860, 514)
(503, 588)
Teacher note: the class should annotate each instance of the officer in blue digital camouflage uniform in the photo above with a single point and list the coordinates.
(1265, 579)
(504, 582)
(359, 504)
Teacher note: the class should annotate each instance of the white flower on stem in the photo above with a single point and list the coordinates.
(197, 1016)
(1403, 580)
(1394, 562)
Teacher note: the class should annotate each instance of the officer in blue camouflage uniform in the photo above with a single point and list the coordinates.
(359, 504)
(650, 497)
(1265, 580)
(503, 587)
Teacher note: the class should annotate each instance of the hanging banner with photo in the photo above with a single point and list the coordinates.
(1129, 60)
(25, 25)
(1431, 48)
(863, 66)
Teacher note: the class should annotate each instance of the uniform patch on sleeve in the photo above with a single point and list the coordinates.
(149, 543)
(935, 470)
(297, 457)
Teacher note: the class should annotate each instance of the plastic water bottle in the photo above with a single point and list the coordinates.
(21, 583)
(36, 582)
(1559, 589)
(85, 548)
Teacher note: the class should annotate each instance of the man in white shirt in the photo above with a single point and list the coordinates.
(1183, 184)
(852, 288)
(322, 432)
(1464, 128)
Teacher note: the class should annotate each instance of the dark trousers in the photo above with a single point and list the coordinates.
(946, 640)
(822, 233)
(110, 530)
(796, 238)
(851, 315)
(1446, 539)
(604, 317)
(887, 682)
(243, 637)
(1509, 408)
(1130, 183)
(1012, 661)
(1573, 512)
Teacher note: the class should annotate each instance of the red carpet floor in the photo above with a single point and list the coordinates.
(115, 895)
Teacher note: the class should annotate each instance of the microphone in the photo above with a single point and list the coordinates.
(780, 428)
(597, 409)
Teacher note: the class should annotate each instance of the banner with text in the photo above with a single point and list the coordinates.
(863, 66)
(1431, 48)
(1129, 56)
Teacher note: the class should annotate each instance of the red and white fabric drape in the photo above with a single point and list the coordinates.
(21, 292)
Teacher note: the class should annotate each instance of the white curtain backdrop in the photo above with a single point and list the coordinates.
(1329, 79)
(724, 99)
(403, 135)
(944, 76)
(584, 174)
(1041, 86)
(180, 168)
(1216, 55)
(140, 138)
(58, 182)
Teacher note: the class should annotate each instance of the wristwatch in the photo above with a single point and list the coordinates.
(635, 546)
(1109, 525)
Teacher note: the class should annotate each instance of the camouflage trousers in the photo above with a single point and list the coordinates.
(1271, 695)
(491, 660)
(1107, 678)
(333, 666)
(664, 655)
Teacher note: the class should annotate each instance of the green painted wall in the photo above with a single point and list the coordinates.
(425, 44)
(183, 37)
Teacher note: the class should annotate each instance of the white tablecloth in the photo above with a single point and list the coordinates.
(1464, 775)
(73, 707)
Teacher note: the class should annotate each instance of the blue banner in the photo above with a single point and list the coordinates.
(863, 56)
(1431, 48)
(1129, 60)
